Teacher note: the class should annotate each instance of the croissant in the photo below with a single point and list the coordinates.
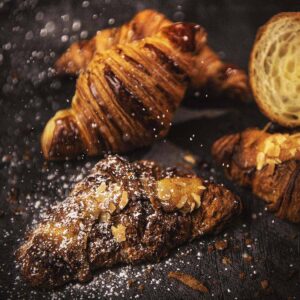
(274, 69)
(127, 96)
(122, 213)
(217, 76)
(268, 163)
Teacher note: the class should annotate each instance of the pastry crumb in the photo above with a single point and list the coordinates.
(221, 245)
(189, 281)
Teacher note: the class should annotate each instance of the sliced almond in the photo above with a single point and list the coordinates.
(119, 233)
(260, 160)
(116, 188)
(111, 207)
(277, 161)
(176, 193)
(274, 151)
(105, 217)
(182, 201)
(100, 195)
(124, 200)
(192, 206)
(101, 188)
(280, 139)
(268, 145)
(197, 199)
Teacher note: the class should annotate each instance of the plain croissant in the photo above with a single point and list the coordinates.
(268, 163)
(127, 96)
(216, 76)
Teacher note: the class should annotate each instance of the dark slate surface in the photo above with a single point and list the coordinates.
(29, 95)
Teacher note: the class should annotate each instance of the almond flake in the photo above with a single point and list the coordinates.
(119, 233)
(176, 193)
(101, 188)
(197, 199)
(277, 161)
(274, 151)
(268, 146)
(182, 201)
(280, 139)
(111, 207)
(105, 217)
(116, 188)
(192, 205)
(124, 200)
(260, 160)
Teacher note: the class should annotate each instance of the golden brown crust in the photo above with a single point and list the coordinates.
(268, 163)
(220, 78)
(143, 24)
(127, 96)
(117, 215)
(266, 109)
(76, 58)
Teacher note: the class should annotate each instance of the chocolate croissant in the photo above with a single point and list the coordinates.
(127, 96)
(217, 76)
(122, 213)
(268, 163)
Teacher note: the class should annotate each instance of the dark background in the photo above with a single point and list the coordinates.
(30, 41)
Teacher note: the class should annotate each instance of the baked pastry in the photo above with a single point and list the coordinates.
(123, 213)
(274, 69)
(127, 96)
(77, 57)
(268, 163)
(219, 77)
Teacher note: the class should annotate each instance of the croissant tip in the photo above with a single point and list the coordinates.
(61, 137)
(189, 37)
(46, 139)
(224, 147)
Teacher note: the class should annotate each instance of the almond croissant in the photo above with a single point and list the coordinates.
(123, 213)
(217, 76)
(269, 163)
(127, 96)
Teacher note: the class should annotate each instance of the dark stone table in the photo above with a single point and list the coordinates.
(261, 251)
